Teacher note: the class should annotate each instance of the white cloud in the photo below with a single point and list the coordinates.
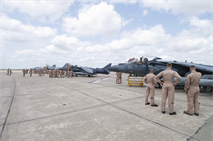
(204, 26)
(93, 20)
(135, 39)
(68, 43)
(43, 11)
(127, 22)
(14, 30)
(189, 7)
(145, 12)
(195, 38)
(124, 1)
(193, 44)
(54, 50)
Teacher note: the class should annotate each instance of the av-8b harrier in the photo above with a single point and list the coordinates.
(77, 70)
(182, 68)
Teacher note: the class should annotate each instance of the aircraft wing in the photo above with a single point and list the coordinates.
(82, 70)
(205, 68)
(88, 70)
(181, 67)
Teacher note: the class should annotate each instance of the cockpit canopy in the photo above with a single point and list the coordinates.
(133, 61)
(145, 60)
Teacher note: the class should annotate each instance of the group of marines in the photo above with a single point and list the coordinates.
(52, 73)
(191, 88)
(25, 71)
(9, 72)
(60, 73)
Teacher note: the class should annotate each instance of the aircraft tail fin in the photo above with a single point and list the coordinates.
(66, 65)
(107, 66)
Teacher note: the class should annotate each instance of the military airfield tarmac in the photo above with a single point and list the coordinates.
(94, 108)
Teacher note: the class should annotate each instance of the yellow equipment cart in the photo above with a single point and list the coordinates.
(135, 80)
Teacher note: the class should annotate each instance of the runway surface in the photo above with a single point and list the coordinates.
(94, 108)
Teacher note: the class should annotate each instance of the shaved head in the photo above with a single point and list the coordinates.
(152, 71)
(169, 64)
(192, 67)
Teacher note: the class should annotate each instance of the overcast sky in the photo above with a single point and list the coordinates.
(94, 33)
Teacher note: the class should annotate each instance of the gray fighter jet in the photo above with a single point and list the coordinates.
(204, 81)
(38, 68)
(55, 68)
(132, 67)
(181, 67)
(77, 70)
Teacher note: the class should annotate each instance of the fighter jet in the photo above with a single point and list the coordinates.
(37, 68)
(77, 70)
(181, 67)
(65, 66)
(51, 68)
(132, 67)
(204, 81)
(55, 68)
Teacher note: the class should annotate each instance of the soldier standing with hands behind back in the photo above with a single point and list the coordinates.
(67, 69)
(11, 72)
(120, 78)
(168, 87)
(8, 71)
(192, 90)
(23, 72)
(117, 77)
(31, 71)
(39, 73)
(71, 73)
(150, 88)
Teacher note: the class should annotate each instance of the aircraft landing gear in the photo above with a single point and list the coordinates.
(158, 85)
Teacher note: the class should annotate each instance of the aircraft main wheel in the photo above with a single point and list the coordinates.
(205, 88)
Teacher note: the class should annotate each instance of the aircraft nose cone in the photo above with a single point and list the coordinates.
(113, 68)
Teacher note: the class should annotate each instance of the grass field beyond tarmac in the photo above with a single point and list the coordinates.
(94, 108)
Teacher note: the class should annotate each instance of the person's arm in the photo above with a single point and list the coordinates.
(155, 81)
(178, 78)
(187, 84)
(145, 80)
(158, 77)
